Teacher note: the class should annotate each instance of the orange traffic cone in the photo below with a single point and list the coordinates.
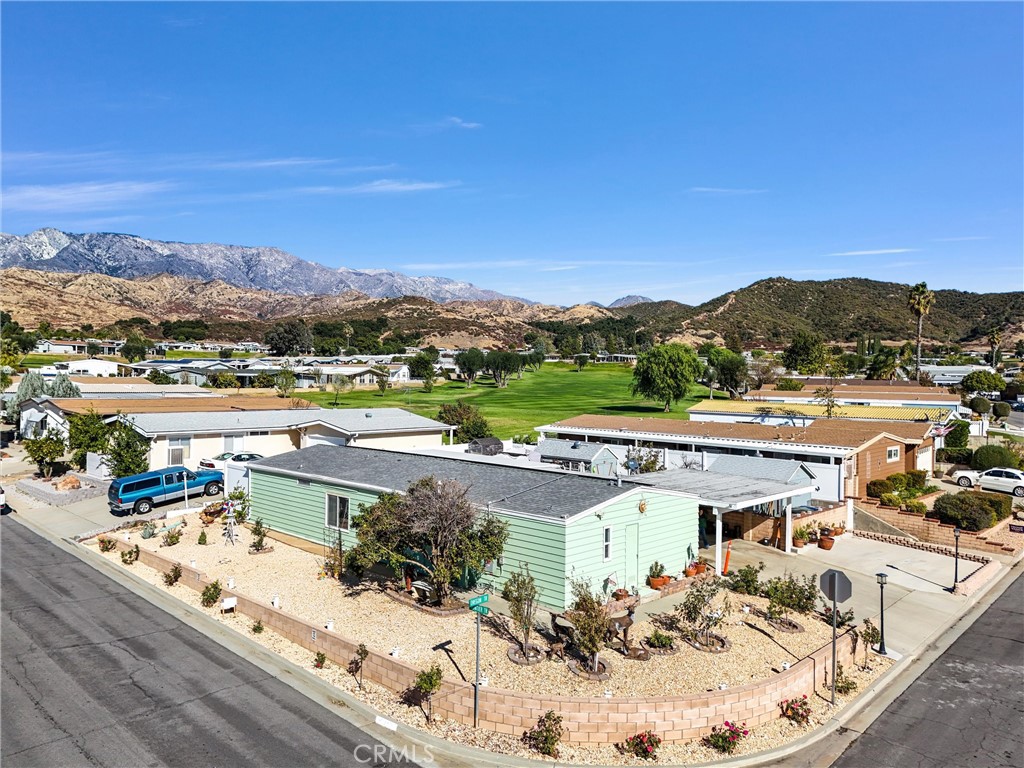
(728, 551)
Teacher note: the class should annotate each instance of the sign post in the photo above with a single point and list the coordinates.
(837, 588)
(478, 607)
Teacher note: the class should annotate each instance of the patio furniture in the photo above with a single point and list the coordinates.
(423, 591)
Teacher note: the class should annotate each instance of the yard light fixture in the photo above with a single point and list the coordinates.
(882, 578)
(956, 558)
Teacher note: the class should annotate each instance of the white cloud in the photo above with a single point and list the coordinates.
(258, 164)
(959, 239)
(878, 252)
(725, 191)
(565, 268)
(458, 122)
(84, 196)
(392, 186)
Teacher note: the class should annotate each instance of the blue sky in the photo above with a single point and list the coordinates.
(565, 153)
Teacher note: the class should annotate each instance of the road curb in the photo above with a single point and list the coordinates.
(847, 726)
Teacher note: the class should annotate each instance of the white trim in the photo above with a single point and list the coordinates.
(889, 458)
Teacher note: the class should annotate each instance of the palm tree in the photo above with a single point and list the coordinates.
(920, 301)
(885, 366)
(995, 338)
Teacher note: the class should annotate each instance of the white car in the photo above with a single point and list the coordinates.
(3, 500)
(996, 479)
(218, 461)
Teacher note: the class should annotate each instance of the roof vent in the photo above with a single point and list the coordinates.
(575, 445)
(368, 415)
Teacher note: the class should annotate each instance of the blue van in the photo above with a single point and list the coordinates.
(138, 493)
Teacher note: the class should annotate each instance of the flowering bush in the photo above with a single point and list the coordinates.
(645, 744)
(546, 734)
(320, 660)
(797, 710)
(726, 737)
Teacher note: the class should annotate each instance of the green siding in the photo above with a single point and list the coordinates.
(668, 534)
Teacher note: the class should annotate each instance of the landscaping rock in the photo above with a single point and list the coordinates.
(68, 483)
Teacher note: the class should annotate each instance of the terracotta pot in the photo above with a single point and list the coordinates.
(701, 567)
(826, 542)
(657, 582)
(799, 543)
(620, 594)
(690, 572)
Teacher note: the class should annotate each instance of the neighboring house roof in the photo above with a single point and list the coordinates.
(901, 394)
(936, 413)
(872, 384)
(102, 381)
(569, 450)
(351, 421)
(174, 405)
(830, 433)
(723, 490)
(487, 441)
(778, 470)
(538, 493)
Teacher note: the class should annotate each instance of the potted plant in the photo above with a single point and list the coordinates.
(656, 577)
(691, 570)
(702, 565)
(826, 542)
(620, 594)
(825, 530)
(800, 537)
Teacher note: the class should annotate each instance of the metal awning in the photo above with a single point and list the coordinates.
(724, 491)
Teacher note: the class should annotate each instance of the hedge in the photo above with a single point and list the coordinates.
(959, 435)
(877, 488)
(891, 500)
(1001, 410)
(898, 481)
(917, 479)
(955, 455)
(917, 507)
(972, 510)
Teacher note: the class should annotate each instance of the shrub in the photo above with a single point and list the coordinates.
(980, 405)
(172, 537)
(796, 710)
(656, 571)
(898, 481)
(967, 510)
(698, 613)
(1000, 410)
(107, 545)
(259, 533)
(726, 738)
(428, 682)
(916, 479)
(891, 499)
(643, 745)
(320, 660)
(172, 576)
(843, 618)
(257, 627)
(871, 636)
(745, 581)
(210, 595)
(788, 593)
(916, 507)
(989, 456)
(202, 538)
(788, 385)
(355, 666)
(130, 556)
(148, 530)
(959, 435)
(876, 488)
(659, 639)
(843, 684)
(955, 455)
(1000, 504)
(545, 735)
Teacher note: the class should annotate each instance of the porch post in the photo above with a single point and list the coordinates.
(849, 514)
(718, 540)
(789, 526)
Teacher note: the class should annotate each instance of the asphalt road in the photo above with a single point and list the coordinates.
(967, 709)
(93, 675)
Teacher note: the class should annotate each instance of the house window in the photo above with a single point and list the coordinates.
(233, 443)
(178, 449)
(893, 453)
(607, 543)
(261, 433)
(302, 483)
(337, 512)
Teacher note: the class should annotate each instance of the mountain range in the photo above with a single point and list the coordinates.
(261, 268)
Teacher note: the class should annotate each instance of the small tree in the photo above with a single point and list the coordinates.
(135, 347)
(428, 682)
(959, 435)
(581, 361)
(284, 382)
(319, 380)
(356, 665)
(788, 593)
(265, 380)
(666, 373)
(590, 619)
(87, 433)
(156, 376)
(980, 405)
(470, 363)
(340, 383)
(31, 385)
(520, 592)
(63, 386)
(826, 397)
(383, 374)
(698, 611)
(225, 353)
(45, 451)
(870, 634)
(982, 381)
(647, 458)
(127, 451)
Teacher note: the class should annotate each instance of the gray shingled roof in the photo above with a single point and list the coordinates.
(569, 450)
(348, 420)
(514, 489)
(779, 470)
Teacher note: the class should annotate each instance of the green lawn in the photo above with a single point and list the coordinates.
(555, 392)
(184, 354)
(33, 360)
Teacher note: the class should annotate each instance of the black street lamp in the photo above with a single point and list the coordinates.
(882, 578)
(956, 558)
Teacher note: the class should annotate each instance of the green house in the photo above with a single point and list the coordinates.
(560, 524)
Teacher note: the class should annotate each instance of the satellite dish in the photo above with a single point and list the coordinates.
(633, 465)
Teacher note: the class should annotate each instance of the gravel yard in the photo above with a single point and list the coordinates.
(370, 617)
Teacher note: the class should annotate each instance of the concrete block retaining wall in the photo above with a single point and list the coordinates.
(587, 720)
(932, 531)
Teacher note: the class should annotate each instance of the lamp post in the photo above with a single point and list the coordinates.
(956, 558)
(882, 578)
